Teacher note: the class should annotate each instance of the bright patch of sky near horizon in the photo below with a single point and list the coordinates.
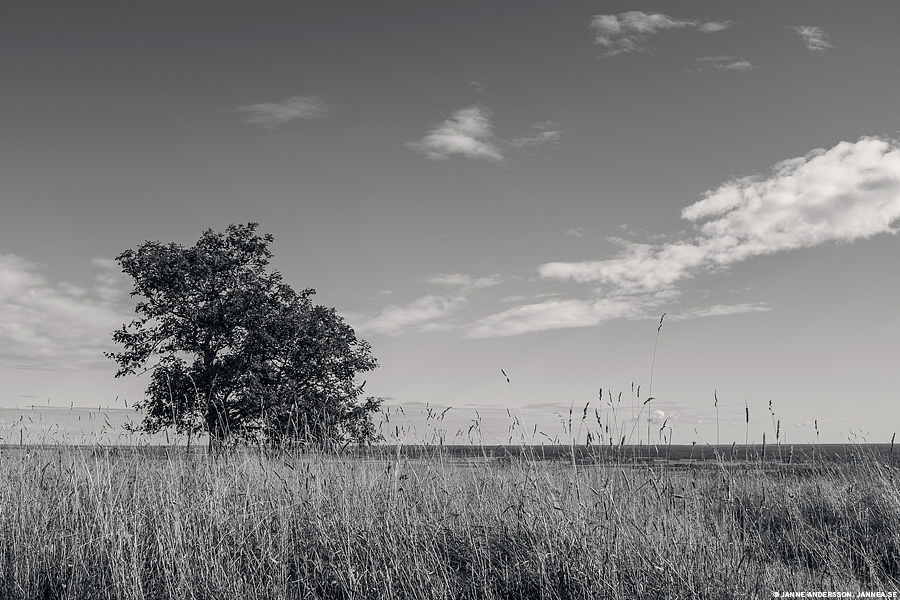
(478, 186)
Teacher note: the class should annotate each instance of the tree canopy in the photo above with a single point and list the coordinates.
(233, 351)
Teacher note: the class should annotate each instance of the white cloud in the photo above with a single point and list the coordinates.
(466, 282)
(468, 132)
(657, 416)
(849, 192)
(557, 314)
(428, 313)
(846, 193)
(532, 298)
(423, 314)
(110, 283)
(272, 115)
(720, 310)
(576, 232)
(546, 134)
(628, 31)
(713, 26)
(815, 37)
(638, 268)
(57, 326)
(722, 63)
(738, 65)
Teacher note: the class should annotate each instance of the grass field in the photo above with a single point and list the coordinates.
(109, 523)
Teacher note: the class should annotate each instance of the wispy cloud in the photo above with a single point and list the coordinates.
(533, 297)
(846, 193)
(815, 38)
(637, 269)
(576, 232)
(273, 115)
(557, 314)
(720, 310)
(57, 326)
(629, 31)
(466, 283)
(469, 132)
(429, 313)
(545, 134)
(738, 65)
(421, 315)
(721, 63)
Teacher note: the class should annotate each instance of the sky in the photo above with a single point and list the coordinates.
(480, 186)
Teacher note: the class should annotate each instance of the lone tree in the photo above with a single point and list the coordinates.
(234, 351)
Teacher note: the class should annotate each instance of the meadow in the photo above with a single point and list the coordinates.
(431, 522)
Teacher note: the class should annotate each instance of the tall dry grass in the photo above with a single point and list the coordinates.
(111, 523)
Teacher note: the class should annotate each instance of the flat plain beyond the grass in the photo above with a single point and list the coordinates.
(82, 522)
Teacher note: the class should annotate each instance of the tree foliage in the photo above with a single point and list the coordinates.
(234, 351)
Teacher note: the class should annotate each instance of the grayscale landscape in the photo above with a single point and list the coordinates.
(500, 300)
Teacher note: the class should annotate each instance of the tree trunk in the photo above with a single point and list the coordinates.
(216, 424)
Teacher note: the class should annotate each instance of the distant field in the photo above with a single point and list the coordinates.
(583, 454)
(96, 522)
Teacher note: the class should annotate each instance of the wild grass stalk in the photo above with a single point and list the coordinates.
(650, 387)
(716, 406)
(746, 431)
